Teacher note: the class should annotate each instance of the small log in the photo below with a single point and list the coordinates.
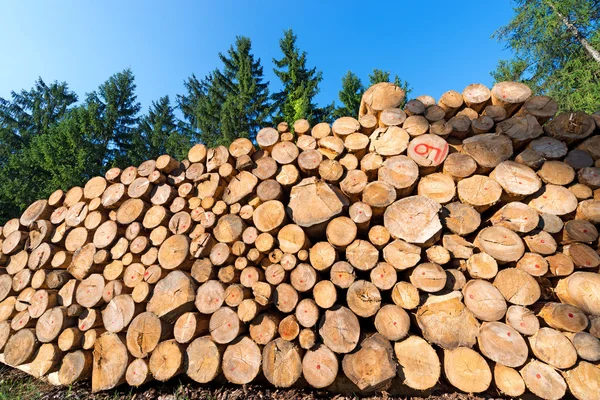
(224, 325)
(172, 296)
(479, 191)
(543, 380)
(554, 348)
(413, 219)
(322, 255)
(447, 322)
(167, 360)
(203, 360)
(320, 367)
(282, 363)
(241, 361)
(372, 366)
(563, 317)
(489, 149)
(339, 329)
(466, 370)
(484, 300)
(583, 380)
(428, 277)
(47, 360)
(76, 366)
(21, 347)
(581, 290)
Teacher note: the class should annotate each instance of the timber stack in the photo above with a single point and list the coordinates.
(446, 243)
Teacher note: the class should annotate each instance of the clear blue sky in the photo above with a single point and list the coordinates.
(435, 45)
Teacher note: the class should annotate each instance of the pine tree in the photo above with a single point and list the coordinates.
(228, 103)
(113, 116)
(350, 96)
(378, 76)
(556, 48)
(300, 85)
(159, 133)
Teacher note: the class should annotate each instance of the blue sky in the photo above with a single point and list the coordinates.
(435, 45)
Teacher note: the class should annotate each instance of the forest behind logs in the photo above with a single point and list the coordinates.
(447, 243)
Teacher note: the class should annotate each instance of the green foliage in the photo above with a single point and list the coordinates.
(159, 133)
(350, 96)
(548, 57)
(231, 102)
(113, 116)
(300, 85)
(378, 76)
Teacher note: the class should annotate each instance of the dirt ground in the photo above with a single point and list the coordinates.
(16, 385)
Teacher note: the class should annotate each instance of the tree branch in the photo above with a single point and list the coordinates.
(592, 52)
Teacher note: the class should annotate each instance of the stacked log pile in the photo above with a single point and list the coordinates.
(447, 241)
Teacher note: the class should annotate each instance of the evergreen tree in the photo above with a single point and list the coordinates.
(159, 133)
(350, 96)
(62, 157)
(228, 103)
(113, 117)
(378, 76)
(300, 85)
(31, 112)
(556, 50)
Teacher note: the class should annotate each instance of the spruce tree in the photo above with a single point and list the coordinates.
(300, 85)
(231, 102)
(556, 48)
(113, 116)
(159, 133)
(31, 112)
(350, 96)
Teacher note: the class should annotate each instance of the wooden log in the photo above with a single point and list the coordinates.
(479, 191)
(89, 291)
(203, 360)
(392, 322)
(119, 312)
(488, 150)
(76, 366)
(502, 344)
(282, 363)
(313, 202)
(372, 366)
(320, 367)
(419, 364)
(570, 127)
(339, 329)
(224, 325)
(379, 97)
(110, 361)
(467, 370)
(21, 347)
(138, 372)
(437, 186)
(446, 322)
(563, 317)
(172, 296)
(413, 219)
(484, 300)
(553, 348)
(583, 380)
(586, 345)
(390, 141)
(167, 360)
(241, 361)
(47, 360)
(570, 290)
(543, 380)
(428, 277)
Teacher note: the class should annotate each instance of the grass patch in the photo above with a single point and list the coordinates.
(19, 386)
